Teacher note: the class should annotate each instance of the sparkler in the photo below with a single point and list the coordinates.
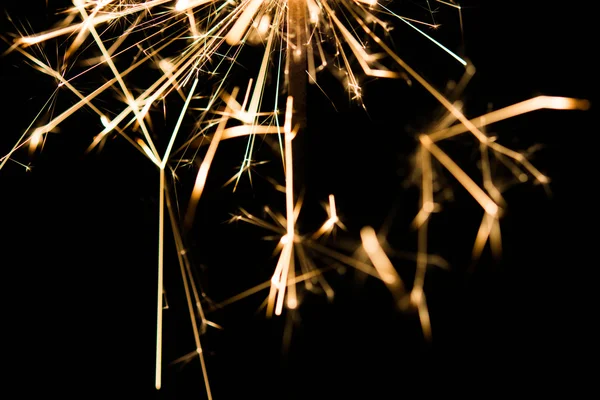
(184, 52)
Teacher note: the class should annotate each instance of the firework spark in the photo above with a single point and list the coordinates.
(165, 56)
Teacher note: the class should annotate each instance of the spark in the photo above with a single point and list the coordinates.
(174, 45)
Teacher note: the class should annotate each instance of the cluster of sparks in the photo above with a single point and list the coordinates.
(174, 45)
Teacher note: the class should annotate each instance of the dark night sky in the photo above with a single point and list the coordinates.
(79, 243)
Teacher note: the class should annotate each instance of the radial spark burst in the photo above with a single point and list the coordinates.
(164, 58)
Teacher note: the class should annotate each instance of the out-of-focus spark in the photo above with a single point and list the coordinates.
(417, 295)
(479, 195)
(533, 104)
(234, 36)
(383, 265)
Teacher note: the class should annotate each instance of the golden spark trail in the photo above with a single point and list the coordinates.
(161, 244)
(186, 285)
(160, 290)
(113, 68)
(417, 296)
(286, 259)
(42, 37)
(479, 195)
(383, 265)
(155, 50)
(534, 104)
(205, 166)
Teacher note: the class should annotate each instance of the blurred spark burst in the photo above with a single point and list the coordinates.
(177, 57)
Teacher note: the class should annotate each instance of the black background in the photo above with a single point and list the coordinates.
(79, 240)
